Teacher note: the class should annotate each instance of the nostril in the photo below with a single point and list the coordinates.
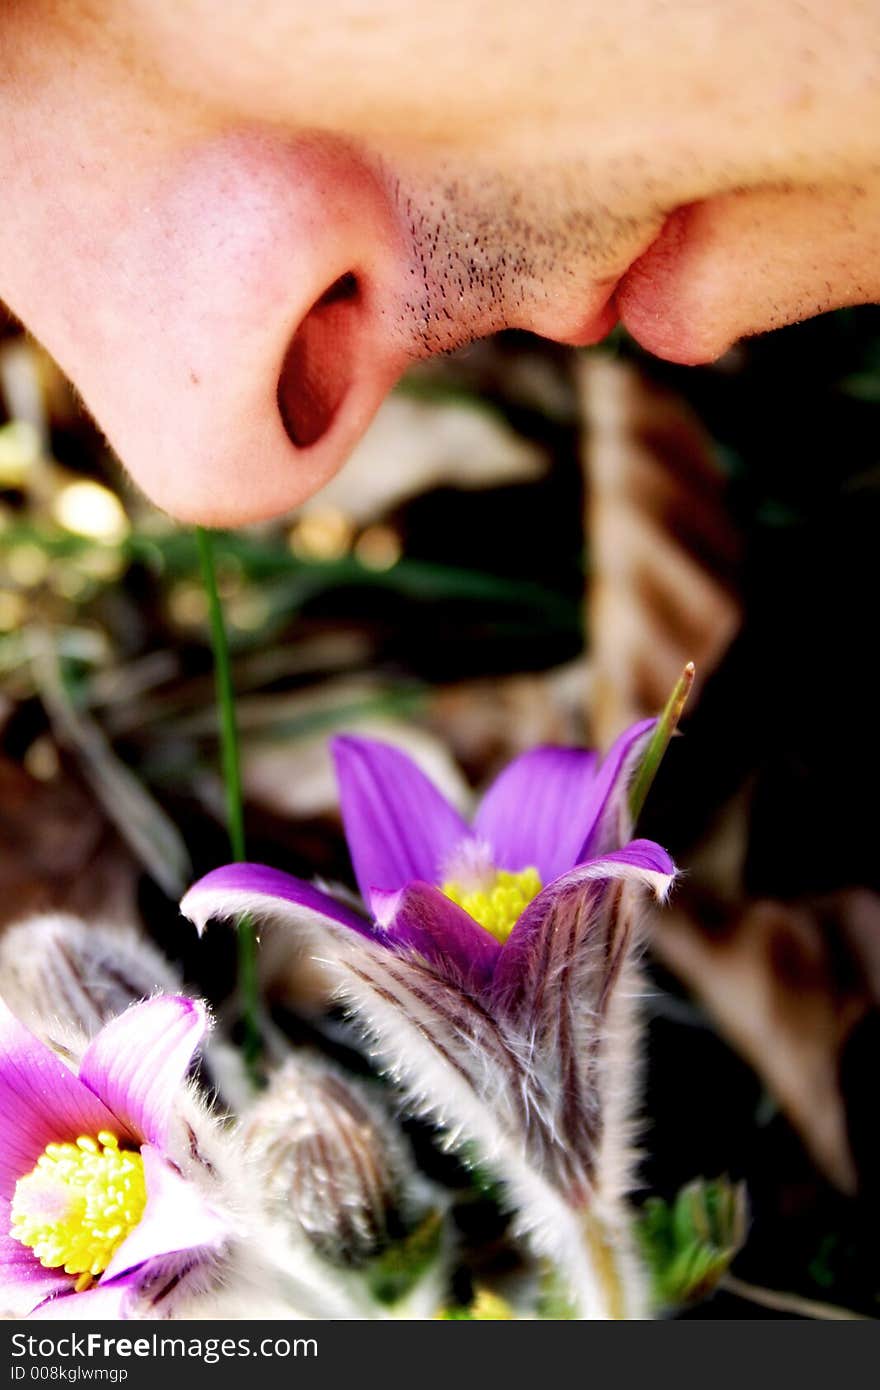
(346, 287)
(317, 368)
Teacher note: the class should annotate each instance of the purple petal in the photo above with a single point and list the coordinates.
(421, 918)
(539, 811)
(399, 827)
(653, 865)
(176, 1218)
(237, 889)
(24, 1282)
(462, 1063)
(137, 1062)
(96, 1304)
(610, 822)
(41, 1102)
(640, 862)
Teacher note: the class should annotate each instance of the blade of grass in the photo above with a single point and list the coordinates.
(140, 820)
(666, 726)
(248, 984)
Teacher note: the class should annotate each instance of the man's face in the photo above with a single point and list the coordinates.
(235, 224)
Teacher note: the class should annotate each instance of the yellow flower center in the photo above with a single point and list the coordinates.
(77, 1205)
(497, 901)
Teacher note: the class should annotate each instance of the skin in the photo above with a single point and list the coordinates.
(235, 224)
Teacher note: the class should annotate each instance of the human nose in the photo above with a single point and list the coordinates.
(233, 326)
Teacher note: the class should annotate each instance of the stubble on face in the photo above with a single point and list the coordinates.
(533, 249)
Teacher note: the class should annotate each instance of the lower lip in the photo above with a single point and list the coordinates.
(648, 299)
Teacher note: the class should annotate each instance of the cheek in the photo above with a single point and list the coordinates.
(744, 263)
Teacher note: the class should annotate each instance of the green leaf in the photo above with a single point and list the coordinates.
(398, 1269)
(689, 1244)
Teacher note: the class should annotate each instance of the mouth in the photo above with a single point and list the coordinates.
(648, 298)
(746, 262)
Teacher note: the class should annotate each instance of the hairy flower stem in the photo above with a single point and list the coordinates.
(654, 753)
(248, 984)
(608, 1281)
(605, 1267)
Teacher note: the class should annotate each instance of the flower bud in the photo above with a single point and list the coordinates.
(57, 968)
(332, 1163)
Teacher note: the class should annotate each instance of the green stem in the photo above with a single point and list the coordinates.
(780, 1302)
(666, 726)
(248, 983)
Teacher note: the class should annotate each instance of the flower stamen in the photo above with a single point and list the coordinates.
(499, 900)
(78, 1203)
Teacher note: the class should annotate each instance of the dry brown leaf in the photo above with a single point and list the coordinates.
(414, 445)
(140, 820)
(663, 552)
(486, 723)
(768, 973)
(57, 851)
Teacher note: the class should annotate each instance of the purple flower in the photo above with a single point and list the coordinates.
(103, 1188)
(491, 972)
